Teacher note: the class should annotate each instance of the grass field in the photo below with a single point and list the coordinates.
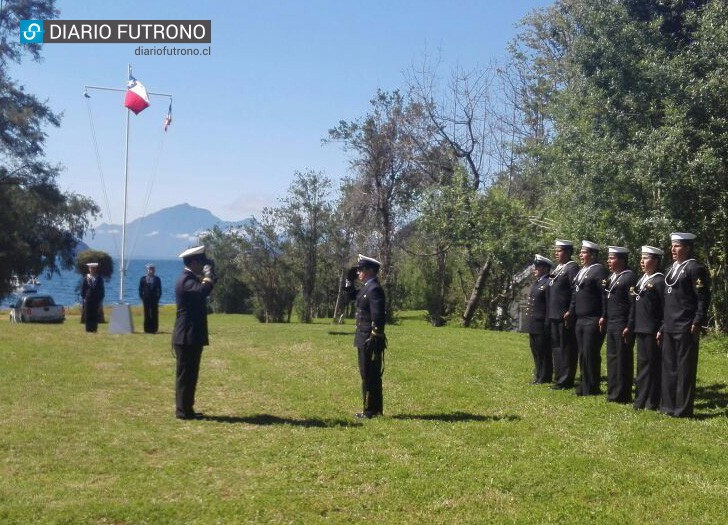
(88, 434)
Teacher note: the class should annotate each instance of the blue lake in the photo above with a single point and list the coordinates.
(63, 287)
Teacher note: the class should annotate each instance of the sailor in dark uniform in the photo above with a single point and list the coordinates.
(537, 321)
(563, 343)
(645, 318)
(620, 340)
(369, 338)
(587, 307)
(687, 297)
(190, 334)
(150, 292)
(92, 293)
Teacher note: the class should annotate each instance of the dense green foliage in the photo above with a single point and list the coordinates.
(89, 434)
(39, 224)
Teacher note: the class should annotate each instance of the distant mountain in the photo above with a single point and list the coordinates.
(160, 235)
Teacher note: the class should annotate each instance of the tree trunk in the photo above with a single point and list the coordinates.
(475, 294)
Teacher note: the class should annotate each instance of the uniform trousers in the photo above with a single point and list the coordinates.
(151, 317)
(620, 367)
(370, 370)
(187, 372)
(565, 354)
(649, 372)
(541, 351)
(589, 341)
(679, 373)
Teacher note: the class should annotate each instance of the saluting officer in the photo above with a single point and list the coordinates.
(587, 307)
(563, 343)
(687, 297)
(369, 338)
(537, 321)
(645, 318)
(620, 341)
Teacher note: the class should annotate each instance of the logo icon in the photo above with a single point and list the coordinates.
(31, 31)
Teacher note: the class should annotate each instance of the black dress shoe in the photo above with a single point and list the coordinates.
(367, 415)
(557, 387)
(191, 415)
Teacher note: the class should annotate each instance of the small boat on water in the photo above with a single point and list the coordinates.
(29, 286)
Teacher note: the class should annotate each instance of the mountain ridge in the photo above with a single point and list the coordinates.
(160, 235)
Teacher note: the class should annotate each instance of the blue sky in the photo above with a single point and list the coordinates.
(246, 117)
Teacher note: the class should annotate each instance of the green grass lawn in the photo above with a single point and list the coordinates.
(88, 434)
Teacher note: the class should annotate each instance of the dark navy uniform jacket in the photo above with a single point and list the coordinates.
(92, 290)
(687, 297)
(648, 301)
(369, 311)
(537, 306)
(561, 288)
(190, 326)
(588, 300)
(619, 300)
(150, 293)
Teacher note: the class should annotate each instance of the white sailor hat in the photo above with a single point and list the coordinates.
(150, 265)
(591, 245)
(616, 249)
(651, 250)
(563, 242)
(681, 236)
(363, 261)
(543, 261)
(92, 265)
(198, 250)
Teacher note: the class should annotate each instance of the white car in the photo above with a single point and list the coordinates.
(34, 308)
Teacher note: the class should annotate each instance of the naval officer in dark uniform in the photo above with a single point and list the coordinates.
(563, 343)
(687, 297)
(190, 335)
(587, 307)
(150, 292)
(92, 294)
(645, 318)
(537, 321)
(369, 338)
(620, 340)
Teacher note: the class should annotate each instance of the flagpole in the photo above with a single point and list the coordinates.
(121, 321)
(122, 270)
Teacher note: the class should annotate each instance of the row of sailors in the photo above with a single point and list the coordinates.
(572, 309)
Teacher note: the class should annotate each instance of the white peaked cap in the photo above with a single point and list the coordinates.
(590, 245)
(363, 260)
(92, 265)
(681, 236)
(540, 259)
(563, 242)
(199, 250)
(617, 249)
(651, 250)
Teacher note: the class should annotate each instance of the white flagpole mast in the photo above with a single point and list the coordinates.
(126, 186)
(122, 270)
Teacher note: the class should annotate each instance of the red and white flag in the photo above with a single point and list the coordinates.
(168, 118)
(136, 98)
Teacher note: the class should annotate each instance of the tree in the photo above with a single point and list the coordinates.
(634, 95)
(231, 294)
(39, 224)
(265, 263)
(388, 179)
(304, 217)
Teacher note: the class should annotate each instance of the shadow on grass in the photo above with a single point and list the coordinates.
(267, 420)
(455, 417)
(330, 332)
(711, 401)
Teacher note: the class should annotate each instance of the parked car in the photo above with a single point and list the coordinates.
(36, 309)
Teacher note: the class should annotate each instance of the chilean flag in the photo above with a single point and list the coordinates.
(136, 98)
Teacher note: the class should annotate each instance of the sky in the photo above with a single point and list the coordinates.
(248, 116)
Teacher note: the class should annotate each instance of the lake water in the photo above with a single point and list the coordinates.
(63, 287)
